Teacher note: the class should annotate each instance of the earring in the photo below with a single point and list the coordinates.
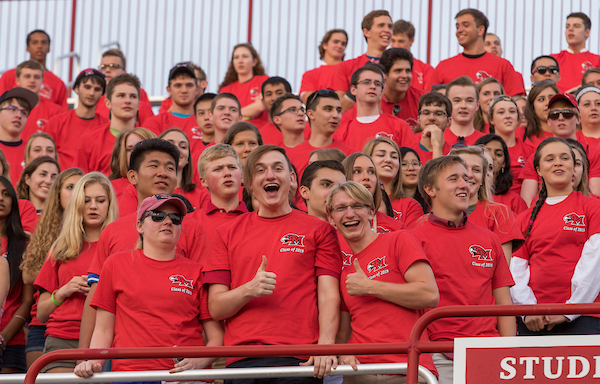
(502, 170)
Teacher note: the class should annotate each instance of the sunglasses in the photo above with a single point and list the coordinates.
(542, 70)
(567, 114)
(159, 217)
(320, 93)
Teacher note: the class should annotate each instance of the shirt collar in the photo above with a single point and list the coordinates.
(210, 208)
(447, 223)
(571, 51)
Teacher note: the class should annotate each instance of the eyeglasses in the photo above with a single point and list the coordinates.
(110, 66)
(159, 217)
(320, 93)
(293, 111)
(542, 70)
(414, 164)
(426, 112)
(13, 109)
(368, 83)
(343, 208)
(566, 113)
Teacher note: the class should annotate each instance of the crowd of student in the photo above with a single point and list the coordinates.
(258, 216)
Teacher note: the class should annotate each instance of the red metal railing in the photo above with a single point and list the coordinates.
(413, 348)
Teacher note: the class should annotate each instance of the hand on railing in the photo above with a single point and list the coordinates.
(350, 360)
(87, 368)
(191, 363)
(323, 365)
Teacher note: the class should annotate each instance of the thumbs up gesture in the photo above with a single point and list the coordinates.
(357, 283)
(263, 282)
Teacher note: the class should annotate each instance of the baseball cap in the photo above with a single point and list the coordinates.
(156, 201)
(21, 93)
(181, 68)
(91, 72)
(566, 97)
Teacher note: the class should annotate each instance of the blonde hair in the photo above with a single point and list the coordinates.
(118, 161)
(348, 164)
(69, 243)
(35, 136)
(397, 191)
(483, 194)
(5, 166)
(48, 227)
(216, 152)
(356, 191)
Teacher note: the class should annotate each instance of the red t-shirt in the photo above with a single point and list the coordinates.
(386, 259)
(122, 236)
(409, 107)
(52, 89)
(66, 130)
(499, 219)
(407, 210)
(119, 186)
(425, 155)
(512, 201)
(421, 72)
(128, 201)
(12, 303)
(28, 214)
(270, 134)
(356, 134)
(15, 155)
(450, 138)
(300, 154)
(478, 68)
(340, 81)
(247, 92)
(65, 320)
(144, 112)
(317, 79)
(163, 121)
(587, 141)
(261, 119)
(165, 105)
(555, 242)
(299, 248)
(212, 217)
(156, 303)
(466, 274)
(519, 153)
(387, 224)
(573, 66)
(95, 149)
(39, 117)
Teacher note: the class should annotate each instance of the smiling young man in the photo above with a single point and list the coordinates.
(474, 61)
(324, 112)
(296, 279)
(67, 127)
(476, 253)
(225, 110)
(52, 88)
(30, 75)
(403, 36)
(95, 147)
(377, 30)
(400, 98)
(576, 59)
(15, 106)
(183, 87)
(153, 171)
(367, 85)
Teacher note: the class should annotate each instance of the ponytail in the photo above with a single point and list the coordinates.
(541, 199)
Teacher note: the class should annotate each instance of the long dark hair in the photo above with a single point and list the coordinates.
(503, 181)
(16, 238)
(418, 197)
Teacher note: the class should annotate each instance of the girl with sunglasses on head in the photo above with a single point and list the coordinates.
(386, 157)
(138, 290)
(482, 211)
(62, 280)
(588, 98)
(558, 262)
(502, 177)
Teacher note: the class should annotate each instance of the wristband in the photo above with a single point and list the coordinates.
(54, 301)
(20, 317)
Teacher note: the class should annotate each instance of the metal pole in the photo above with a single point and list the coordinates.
(250, 20)
(429, 21)
(72, 47)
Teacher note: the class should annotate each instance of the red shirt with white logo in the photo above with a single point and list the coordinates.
(122, 235)
(317, 79)
(247, 92)
(572, 67)
(375, 320)
(39, 117)
(519, 153)
(554, 245)
(466, 273)
(499, 219)
(52, 89)
(340, 81)
(156, 303)
(65, 320)
(144, 111)
(299, 248)
(408, 107)
(407, 210)
(420, 72)
(163, 121)
(15, 155)
(95, 149)
(300, 154)
(478, 68)
(356, 134)
(66, 129)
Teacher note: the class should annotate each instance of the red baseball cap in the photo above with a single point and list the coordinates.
(156, 201)
(566, 97)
